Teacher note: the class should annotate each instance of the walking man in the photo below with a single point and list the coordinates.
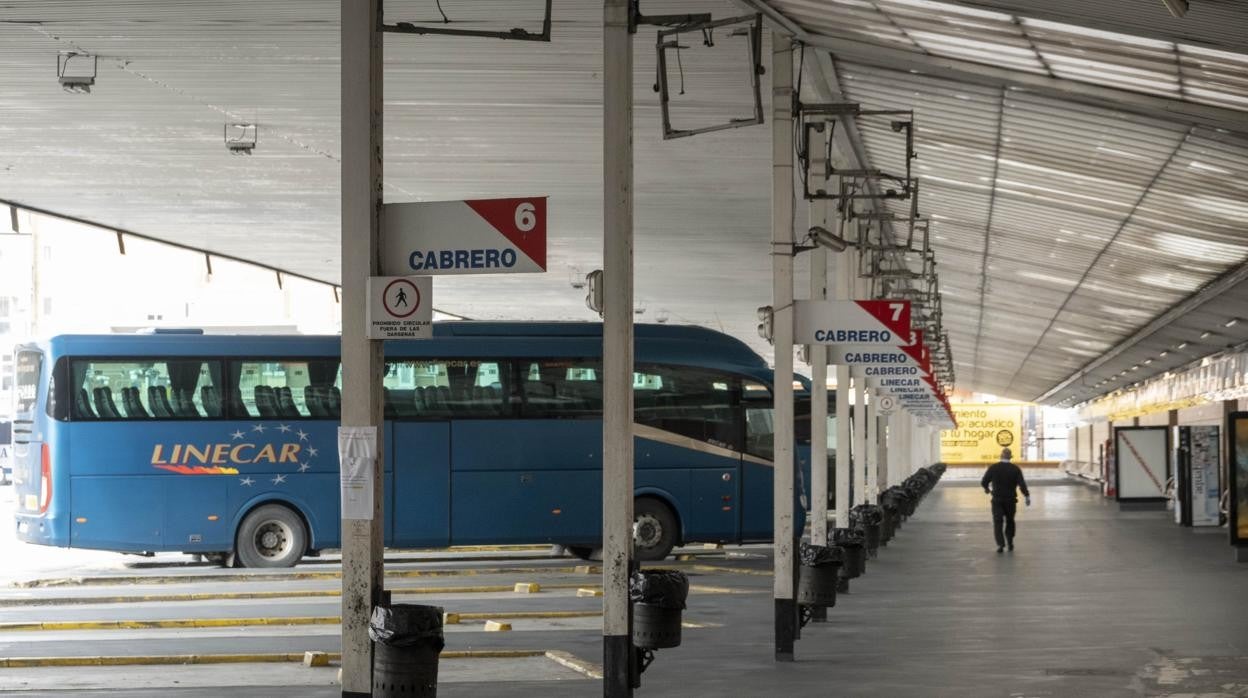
(1004, 477)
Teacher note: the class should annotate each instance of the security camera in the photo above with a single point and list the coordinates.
(898, 126)
(825, 238)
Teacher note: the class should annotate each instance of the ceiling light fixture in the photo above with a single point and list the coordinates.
(1206, 334)
(1231, 323)
(1182, 345)
(241, 137)
(1164, 354)
(76, 71)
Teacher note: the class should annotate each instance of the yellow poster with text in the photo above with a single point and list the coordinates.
(983, 430)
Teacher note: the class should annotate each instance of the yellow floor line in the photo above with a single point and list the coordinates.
(274, 621)
(575, 663)
(731, 570)
(105, 580)
(255, 658)
(243, 595)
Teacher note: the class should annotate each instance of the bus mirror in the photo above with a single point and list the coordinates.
(593, 297)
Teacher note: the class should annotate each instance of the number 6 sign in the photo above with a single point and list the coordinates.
(478, 236)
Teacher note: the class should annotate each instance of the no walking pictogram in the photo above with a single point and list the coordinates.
(401, 298)
(400, 307)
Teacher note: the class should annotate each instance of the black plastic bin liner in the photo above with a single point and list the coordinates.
(849, 537)
(662, 588)
(819, 555)
(407, 625)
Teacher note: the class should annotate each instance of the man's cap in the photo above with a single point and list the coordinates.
(1006, 454)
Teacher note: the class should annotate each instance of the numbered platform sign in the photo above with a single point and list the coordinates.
(866, 323)
(481, 236)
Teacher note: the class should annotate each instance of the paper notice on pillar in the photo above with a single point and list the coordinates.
(357, 451)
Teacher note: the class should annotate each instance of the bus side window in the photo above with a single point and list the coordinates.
(561, 388)
(286, 389)
(144, 388)
(447, 388)
(691, 402)
(759, 426)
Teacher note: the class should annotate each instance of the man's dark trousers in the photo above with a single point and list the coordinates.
(1003, 513)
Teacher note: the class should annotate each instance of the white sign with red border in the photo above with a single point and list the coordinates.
(400, 307)
(873, 323)
(479, 236)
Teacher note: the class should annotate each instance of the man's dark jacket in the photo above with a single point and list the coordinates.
(1005, 477)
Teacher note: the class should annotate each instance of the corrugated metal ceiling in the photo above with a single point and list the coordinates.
(1061, 228)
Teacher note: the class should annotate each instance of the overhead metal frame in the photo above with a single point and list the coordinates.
(831, 113)
(515, 34)
(669, 40)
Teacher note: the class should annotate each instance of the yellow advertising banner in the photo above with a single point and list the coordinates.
(983, 430)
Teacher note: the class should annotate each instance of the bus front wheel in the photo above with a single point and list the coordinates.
(655, 529)
(271, 536)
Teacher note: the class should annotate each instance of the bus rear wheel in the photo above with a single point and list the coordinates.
(271, 535)
(655, 529)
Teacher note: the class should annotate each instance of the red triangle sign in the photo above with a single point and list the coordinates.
(521, 221)
(895, 315)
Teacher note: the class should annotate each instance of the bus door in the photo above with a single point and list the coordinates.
(419, 410)
(757, 469)
(688, 425)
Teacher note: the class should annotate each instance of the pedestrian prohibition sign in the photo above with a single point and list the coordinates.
(400, 307)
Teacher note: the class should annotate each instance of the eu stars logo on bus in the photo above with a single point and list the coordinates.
(243, 448)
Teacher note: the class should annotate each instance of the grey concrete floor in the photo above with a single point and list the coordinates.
(1094, 602)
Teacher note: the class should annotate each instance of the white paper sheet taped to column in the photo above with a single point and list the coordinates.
(357, 451)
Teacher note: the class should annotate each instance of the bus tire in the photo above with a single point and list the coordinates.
(655, 528)
(271, 535)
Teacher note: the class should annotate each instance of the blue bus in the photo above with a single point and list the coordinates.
(226, 446)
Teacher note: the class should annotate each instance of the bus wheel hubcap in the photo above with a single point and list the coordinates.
(648, 531)
(272, 539)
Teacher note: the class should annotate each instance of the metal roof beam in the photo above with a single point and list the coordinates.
(1230, 120)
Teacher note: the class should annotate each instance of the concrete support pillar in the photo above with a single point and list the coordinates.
(918, 448)
(859, 484)
(899, 449)
(362, 552)
(844, 441)
(818, 366)
(617, 349)
(873, 448)
(881, 469)
(782, 301)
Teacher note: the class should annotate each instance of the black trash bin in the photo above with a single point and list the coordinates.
(854, 543)
(870, 517)
(407, 639)
(817, 577)
(658, 598)
(888, 524)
